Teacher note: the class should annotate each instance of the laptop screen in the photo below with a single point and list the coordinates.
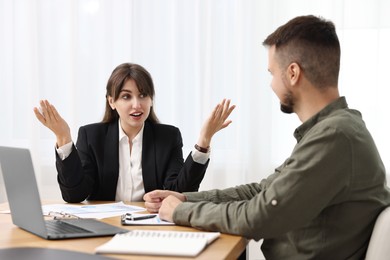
(22, 190)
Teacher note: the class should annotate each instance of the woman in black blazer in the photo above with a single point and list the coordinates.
(129, 153)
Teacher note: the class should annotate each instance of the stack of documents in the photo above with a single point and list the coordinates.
(97, 211)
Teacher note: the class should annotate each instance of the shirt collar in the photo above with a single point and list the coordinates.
(339, 103)
(122, 134)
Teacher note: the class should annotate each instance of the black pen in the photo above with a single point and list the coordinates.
(130, 217)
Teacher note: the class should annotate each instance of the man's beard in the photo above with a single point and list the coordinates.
(287, 105)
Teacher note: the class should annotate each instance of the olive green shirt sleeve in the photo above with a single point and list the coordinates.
(309, 180)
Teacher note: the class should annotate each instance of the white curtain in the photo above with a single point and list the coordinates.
(198, 52)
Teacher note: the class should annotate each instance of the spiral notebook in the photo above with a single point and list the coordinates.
(158, 242)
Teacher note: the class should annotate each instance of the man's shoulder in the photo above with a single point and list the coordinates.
(344, 119)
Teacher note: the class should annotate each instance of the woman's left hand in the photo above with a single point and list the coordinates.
(217, 120)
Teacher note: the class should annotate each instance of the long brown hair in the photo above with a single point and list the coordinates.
(119, 76)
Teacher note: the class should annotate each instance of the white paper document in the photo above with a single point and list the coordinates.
(97, 211)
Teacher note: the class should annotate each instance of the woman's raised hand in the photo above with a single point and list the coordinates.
(49, 117)
(217, 120)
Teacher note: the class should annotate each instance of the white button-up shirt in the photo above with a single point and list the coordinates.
(130, 182)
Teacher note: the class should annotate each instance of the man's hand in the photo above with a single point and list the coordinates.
(154, 199)
(168, 206)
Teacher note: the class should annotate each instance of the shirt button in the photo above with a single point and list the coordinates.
(274, 202)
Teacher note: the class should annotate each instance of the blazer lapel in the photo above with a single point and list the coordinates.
(149, 174)
(111, 161)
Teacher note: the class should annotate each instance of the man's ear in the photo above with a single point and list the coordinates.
(293, 73)
(111, 102)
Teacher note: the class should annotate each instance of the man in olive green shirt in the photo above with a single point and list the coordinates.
(322, 202)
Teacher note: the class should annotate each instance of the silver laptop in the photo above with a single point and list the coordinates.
(25, 203)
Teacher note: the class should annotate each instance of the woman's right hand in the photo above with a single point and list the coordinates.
(49, 117)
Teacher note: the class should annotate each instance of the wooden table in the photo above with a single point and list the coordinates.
(225, 247)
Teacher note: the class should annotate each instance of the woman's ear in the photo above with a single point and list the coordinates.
(111, 102)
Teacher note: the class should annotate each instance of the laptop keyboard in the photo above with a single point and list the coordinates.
(59, 227)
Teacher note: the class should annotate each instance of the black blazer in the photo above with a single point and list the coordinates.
(91, 171)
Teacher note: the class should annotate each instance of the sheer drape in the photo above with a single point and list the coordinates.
(198, 52)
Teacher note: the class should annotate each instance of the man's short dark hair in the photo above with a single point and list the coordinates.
(312, 43)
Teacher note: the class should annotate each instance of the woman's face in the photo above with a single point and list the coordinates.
(132, 106)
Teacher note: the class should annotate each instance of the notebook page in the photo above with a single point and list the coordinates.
(157, 242)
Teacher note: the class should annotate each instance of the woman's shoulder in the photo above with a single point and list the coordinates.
(162, 130)
(163, 127)
(97, 127)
